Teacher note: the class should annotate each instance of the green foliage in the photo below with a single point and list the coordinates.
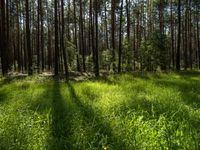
(160, 111)
(106, 59)
(71, 54)
(89, 63)
(154, 52)
(127, 59)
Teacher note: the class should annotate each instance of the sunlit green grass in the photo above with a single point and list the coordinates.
(128, 111)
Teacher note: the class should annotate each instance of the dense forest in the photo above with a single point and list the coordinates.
(93, 36)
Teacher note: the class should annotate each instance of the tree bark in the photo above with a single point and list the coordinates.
(97, 48)
(62, 41)
(3, 41)
(113, 17)
(82, 48)
(179, 37)
(172, 34)
(42, 34)
(28, 44)
(56, 39)
(120, 38)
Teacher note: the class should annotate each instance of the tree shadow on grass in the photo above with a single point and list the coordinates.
(10, 79)
(53, 105)
(61, 117)
(7, 93)
(189, 73)
(190, 91)
(98, 124)
(3, 96)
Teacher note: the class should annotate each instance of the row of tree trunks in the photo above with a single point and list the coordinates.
(27, 39)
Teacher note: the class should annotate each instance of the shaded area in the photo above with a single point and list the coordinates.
(98, 124)
(61, 117)
(3, 96)
(190, 90)
(55, 107)
(10, 79)
(189, 74)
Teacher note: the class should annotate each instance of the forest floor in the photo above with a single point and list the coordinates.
(127, 111)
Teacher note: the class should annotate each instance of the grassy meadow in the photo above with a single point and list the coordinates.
(118, 112)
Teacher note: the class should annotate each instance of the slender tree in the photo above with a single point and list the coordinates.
(106, 27)
(120, 37)
(3, 41)
(38, 36)
(113, 18)
(172, 34)
(190, 34)
(62, 41)
(75, 38)
(28, 40)
(97, 48)
(56, 39)
(178, 67)
(82, 48)
(42, 33)
(198, 39)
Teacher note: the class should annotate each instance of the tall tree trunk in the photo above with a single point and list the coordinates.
(120, 38)
(198, 40)
(38, 37)
(134, 46)
(163, 53)
(161, 19)
(91, 35)
(42, 34)
(62, 41)
(49, 48)
(68, 20)
(128, 20)
(97, 48)
(3, 41)
(106, 27)
(75, 38)
(82, 48)
(8, 34)
(18, 38)
(172, 34)
(190, 34)
(56, 38)
(186, 40)
(178, 67)
(0, 31)
(113, 17)
(49, 39)
(28, 44)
